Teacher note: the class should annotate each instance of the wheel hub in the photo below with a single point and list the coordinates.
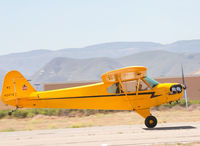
(151, 122)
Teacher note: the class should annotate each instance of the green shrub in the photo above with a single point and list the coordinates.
(3, 113)
(20, 113)
(28, 113)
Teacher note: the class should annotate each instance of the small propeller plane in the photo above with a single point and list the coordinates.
(127, 88)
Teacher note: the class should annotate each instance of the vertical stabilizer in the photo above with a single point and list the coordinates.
(15, 86)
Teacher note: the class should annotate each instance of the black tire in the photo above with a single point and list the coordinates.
(10, 113)
(151, 122)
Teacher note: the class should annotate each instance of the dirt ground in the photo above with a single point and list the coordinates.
(166, 134)
(175, 114)
(176, 126)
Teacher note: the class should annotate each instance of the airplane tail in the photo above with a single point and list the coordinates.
(15, 86)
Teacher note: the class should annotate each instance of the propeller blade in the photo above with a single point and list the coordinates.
(185, 92)
(186, 102)
(183, 78)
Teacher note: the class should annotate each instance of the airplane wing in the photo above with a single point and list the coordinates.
(127, 73)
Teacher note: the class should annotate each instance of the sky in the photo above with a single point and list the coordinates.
(56, 24)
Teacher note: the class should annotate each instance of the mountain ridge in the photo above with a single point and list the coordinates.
(120, 54)
(66, 69)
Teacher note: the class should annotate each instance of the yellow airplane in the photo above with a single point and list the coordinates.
(123, 89)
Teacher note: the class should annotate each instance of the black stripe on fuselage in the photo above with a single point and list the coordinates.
(152, 96)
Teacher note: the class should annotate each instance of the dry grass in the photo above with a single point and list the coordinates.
(176, 114)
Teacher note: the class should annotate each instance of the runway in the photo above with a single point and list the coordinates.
(123, 135)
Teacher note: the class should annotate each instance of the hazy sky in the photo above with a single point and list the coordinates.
(55, 24)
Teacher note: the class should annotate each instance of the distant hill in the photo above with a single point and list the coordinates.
(67, 69)
(159, 63)
(115, 49)
(164, 63)
(30, 62)
(27, 62)
(2, 73)
(88, 63)
(190, 46)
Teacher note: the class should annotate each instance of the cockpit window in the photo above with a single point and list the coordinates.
(130, 86)
(143, 86)
(151, 81)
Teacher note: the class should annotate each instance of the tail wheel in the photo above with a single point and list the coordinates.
(151, 121)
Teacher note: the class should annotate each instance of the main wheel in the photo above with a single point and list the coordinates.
(151, 121)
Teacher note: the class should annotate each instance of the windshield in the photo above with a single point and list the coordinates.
(151, 81)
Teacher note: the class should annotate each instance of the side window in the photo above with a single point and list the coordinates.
(130, 86)
(143, 86)
(114, 88)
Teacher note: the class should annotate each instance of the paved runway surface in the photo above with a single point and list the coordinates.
(126, 135)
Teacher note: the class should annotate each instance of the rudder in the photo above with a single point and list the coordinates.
(15, 86)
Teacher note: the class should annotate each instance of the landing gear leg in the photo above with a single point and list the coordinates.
(151, 121)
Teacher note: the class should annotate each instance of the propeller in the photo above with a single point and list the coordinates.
(184, 87)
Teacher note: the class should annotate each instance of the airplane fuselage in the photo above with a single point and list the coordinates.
(95, 96)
